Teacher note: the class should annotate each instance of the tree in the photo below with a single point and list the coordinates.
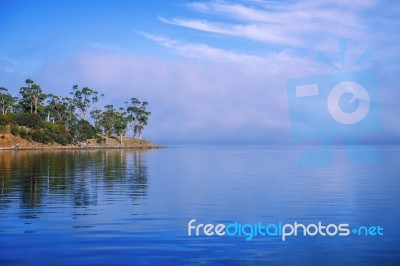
(54, 108)
(96, 115)
(7, 102)
(68, 112)
(66, 115)
(84, 99)
(32, 96)
(139, 116)
(82, 131)
(108, 119)
(121, 123)
(112, 121)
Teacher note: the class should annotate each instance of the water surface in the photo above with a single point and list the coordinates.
(129, 207)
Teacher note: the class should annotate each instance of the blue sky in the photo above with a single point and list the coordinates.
(213, 71)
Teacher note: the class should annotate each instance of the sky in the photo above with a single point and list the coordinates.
(212, 71)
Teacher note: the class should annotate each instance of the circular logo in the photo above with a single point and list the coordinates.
(359, 93)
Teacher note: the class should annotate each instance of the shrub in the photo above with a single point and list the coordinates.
(41, 137)
(64, 138)
(100, 139)
(3, 129)
(15, 130)
(37, 136)
(29, 120)
(52, 132)
(83, 131)
(53, 127)
(61, 140)
(6, 119)
(25, 134)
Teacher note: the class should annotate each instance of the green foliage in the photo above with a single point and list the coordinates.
(107, 120)
(83, 131)
(25, 134)
(83, 99)
(53, 127)
(7, 102)
(32, 96)
(61, 110)
(3, 129)
(61, 119)
(97, 117)
(28, 120)
(40, 136)
(121, 123)
(64, 139)
(46, 134)
(15, 130)
(139, 116)
(100, 139)
(57, 133)
(3, 120)
(6, 119)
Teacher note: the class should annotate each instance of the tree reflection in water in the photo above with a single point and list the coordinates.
(38, 178)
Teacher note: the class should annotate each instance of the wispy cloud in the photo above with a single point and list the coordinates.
(255, 32)
(194, 50)
(280, 23)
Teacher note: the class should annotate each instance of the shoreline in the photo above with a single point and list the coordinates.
(85, 148)
(9, 142)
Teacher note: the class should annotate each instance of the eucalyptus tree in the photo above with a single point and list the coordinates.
(121, 123)
(54, 108)
(84, 99)
(71, 112)
(96, 115)
(7, 101)
(112, 121)
(32, 96)
(139, 116)
(108, 119)
(68, 112)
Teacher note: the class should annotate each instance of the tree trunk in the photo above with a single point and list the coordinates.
(35, 104)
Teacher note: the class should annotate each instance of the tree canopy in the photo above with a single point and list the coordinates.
(49, 118)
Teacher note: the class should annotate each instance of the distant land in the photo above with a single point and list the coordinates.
(37, 120)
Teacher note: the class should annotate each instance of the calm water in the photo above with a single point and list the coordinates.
(131, 207)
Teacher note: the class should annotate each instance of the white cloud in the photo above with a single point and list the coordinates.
(202, 50)
(255, 32)
(293, 24)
